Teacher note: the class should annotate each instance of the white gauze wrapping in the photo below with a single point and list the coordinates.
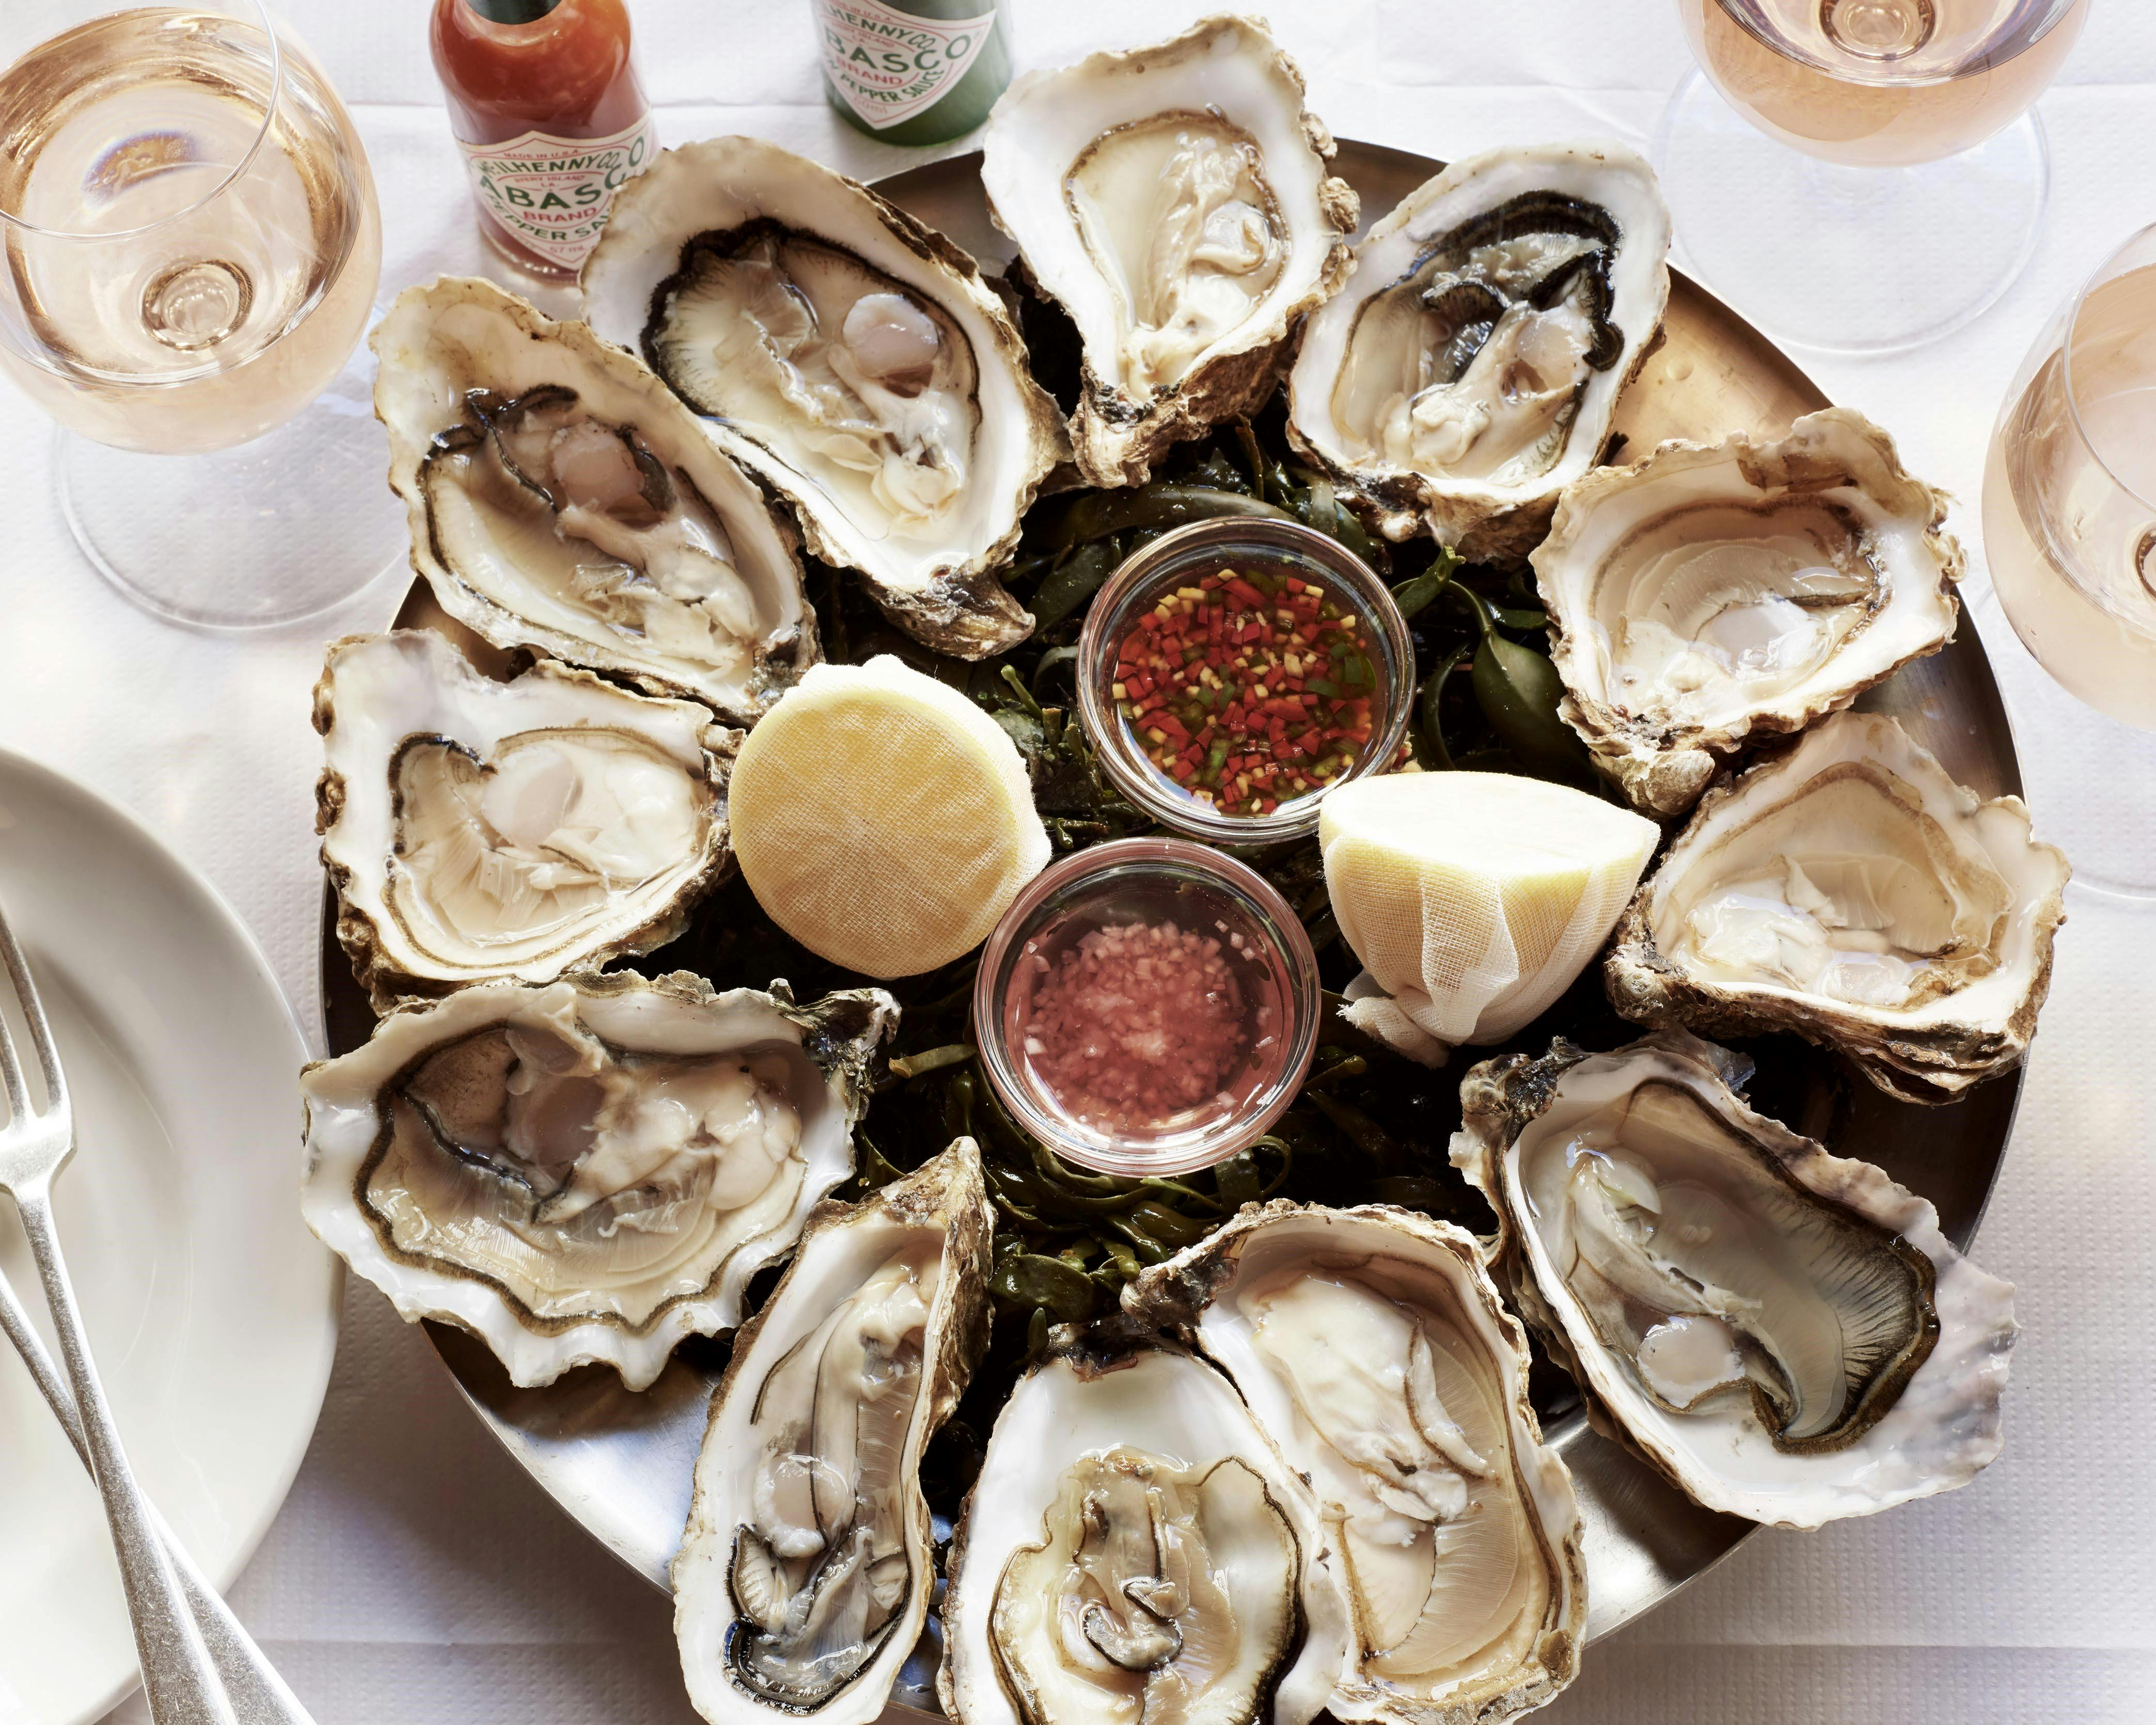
(1473, 899)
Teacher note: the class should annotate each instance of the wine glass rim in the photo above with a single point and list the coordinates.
(2098, 278)
(239, 11)
(1842, 70)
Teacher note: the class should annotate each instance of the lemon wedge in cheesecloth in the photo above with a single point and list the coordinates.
(882, 819)
(1473, 899)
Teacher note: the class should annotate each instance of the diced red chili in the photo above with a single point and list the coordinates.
(1219, 669)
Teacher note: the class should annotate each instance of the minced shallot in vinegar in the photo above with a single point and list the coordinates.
(1137, 1025)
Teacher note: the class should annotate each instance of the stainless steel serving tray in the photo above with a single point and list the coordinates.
(621, 1464)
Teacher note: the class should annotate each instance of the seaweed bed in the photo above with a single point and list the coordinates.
(1367, 1126)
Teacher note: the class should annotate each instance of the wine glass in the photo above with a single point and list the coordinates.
(192, 249)
(2069, 535)
(1862, 176)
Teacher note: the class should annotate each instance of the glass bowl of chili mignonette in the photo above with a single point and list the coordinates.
(1147, 1007)
(1233, 671)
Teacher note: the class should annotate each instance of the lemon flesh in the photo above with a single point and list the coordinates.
(882, 819)
(1473, 899)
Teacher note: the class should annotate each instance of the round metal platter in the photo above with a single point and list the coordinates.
(622, 1464)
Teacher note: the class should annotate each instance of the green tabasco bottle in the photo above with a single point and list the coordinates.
(913, 71)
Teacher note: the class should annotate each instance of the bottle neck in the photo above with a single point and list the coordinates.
(512, 11)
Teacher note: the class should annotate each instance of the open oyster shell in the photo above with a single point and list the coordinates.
(1717, 593)
(562, 499)
(1135, 1552)
(587, 1170)
(850, 357)
(804, 1580)
(1784, 1333)
(1372, 1347)
(1177, 202)
(1853, 893)
(475, 829)
(1468, 369)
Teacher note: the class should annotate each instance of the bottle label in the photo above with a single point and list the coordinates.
(890, 66)
(553, 193)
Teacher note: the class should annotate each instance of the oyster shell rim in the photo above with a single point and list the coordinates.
(1173, 1294)
(1501, 1096)
(387, 981)
(960, 609)
(1400, 504)
(495, 623)
(518, 1339)
(1936, 1059)
(951, 1181)
(1114, 439)
(1098, 1348)
(1664, 769)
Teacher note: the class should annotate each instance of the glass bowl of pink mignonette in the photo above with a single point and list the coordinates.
(1147, 1007)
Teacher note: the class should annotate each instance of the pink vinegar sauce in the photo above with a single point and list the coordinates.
(1135, 1027)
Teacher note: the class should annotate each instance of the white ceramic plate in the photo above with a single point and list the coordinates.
(211, 1310)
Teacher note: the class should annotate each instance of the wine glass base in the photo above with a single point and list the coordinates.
(2102, 815)
(266, 534)
(1847, 259)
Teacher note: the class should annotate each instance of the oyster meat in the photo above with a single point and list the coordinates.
(804, 1580)
(1135, 1552)
(1372, 1346)
(475, 829)
(847, 356)
(587, 1170)
(1177, 202)
(1717, 593)
(562, 499)
(1784, 1333)
(1470, 369)
(1852, 893)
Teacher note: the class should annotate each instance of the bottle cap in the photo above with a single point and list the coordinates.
(512, 11)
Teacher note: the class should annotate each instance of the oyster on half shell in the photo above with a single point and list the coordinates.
(1135, 1552)
(850, 357)
(1713, 594)
(1851, 892)
(476, 828)
(1470, 368)
(803, 1580)
(588, 1171)
(1374, 1349)
(562, 499)
(1177, 202)
(1785, 1333)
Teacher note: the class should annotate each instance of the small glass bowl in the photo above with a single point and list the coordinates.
(1176, 559)
(1153, 882)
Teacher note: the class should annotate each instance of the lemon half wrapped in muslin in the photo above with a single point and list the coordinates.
(1473, 899)
(882, 819)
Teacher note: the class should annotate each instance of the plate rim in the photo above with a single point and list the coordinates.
(1567, 1431)
(234, 931)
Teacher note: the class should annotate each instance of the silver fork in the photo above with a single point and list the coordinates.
(179, 1680)
(259, 1695)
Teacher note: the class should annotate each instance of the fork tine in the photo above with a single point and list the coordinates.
(41, 1034)
(11, 1074)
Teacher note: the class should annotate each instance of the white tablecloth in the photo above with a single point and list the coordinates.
(417, 1575)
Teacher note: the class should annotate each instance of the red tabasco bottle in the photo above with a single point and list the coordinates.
(545, 106)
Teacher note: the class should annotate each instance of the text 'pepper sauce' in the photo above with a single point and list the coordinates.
(545, 106)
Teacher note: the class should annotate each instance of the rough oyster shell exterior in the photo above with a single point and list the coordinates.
(1943, 1425)
(1971, 1021)
(1661, 757)
(1223, 67)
